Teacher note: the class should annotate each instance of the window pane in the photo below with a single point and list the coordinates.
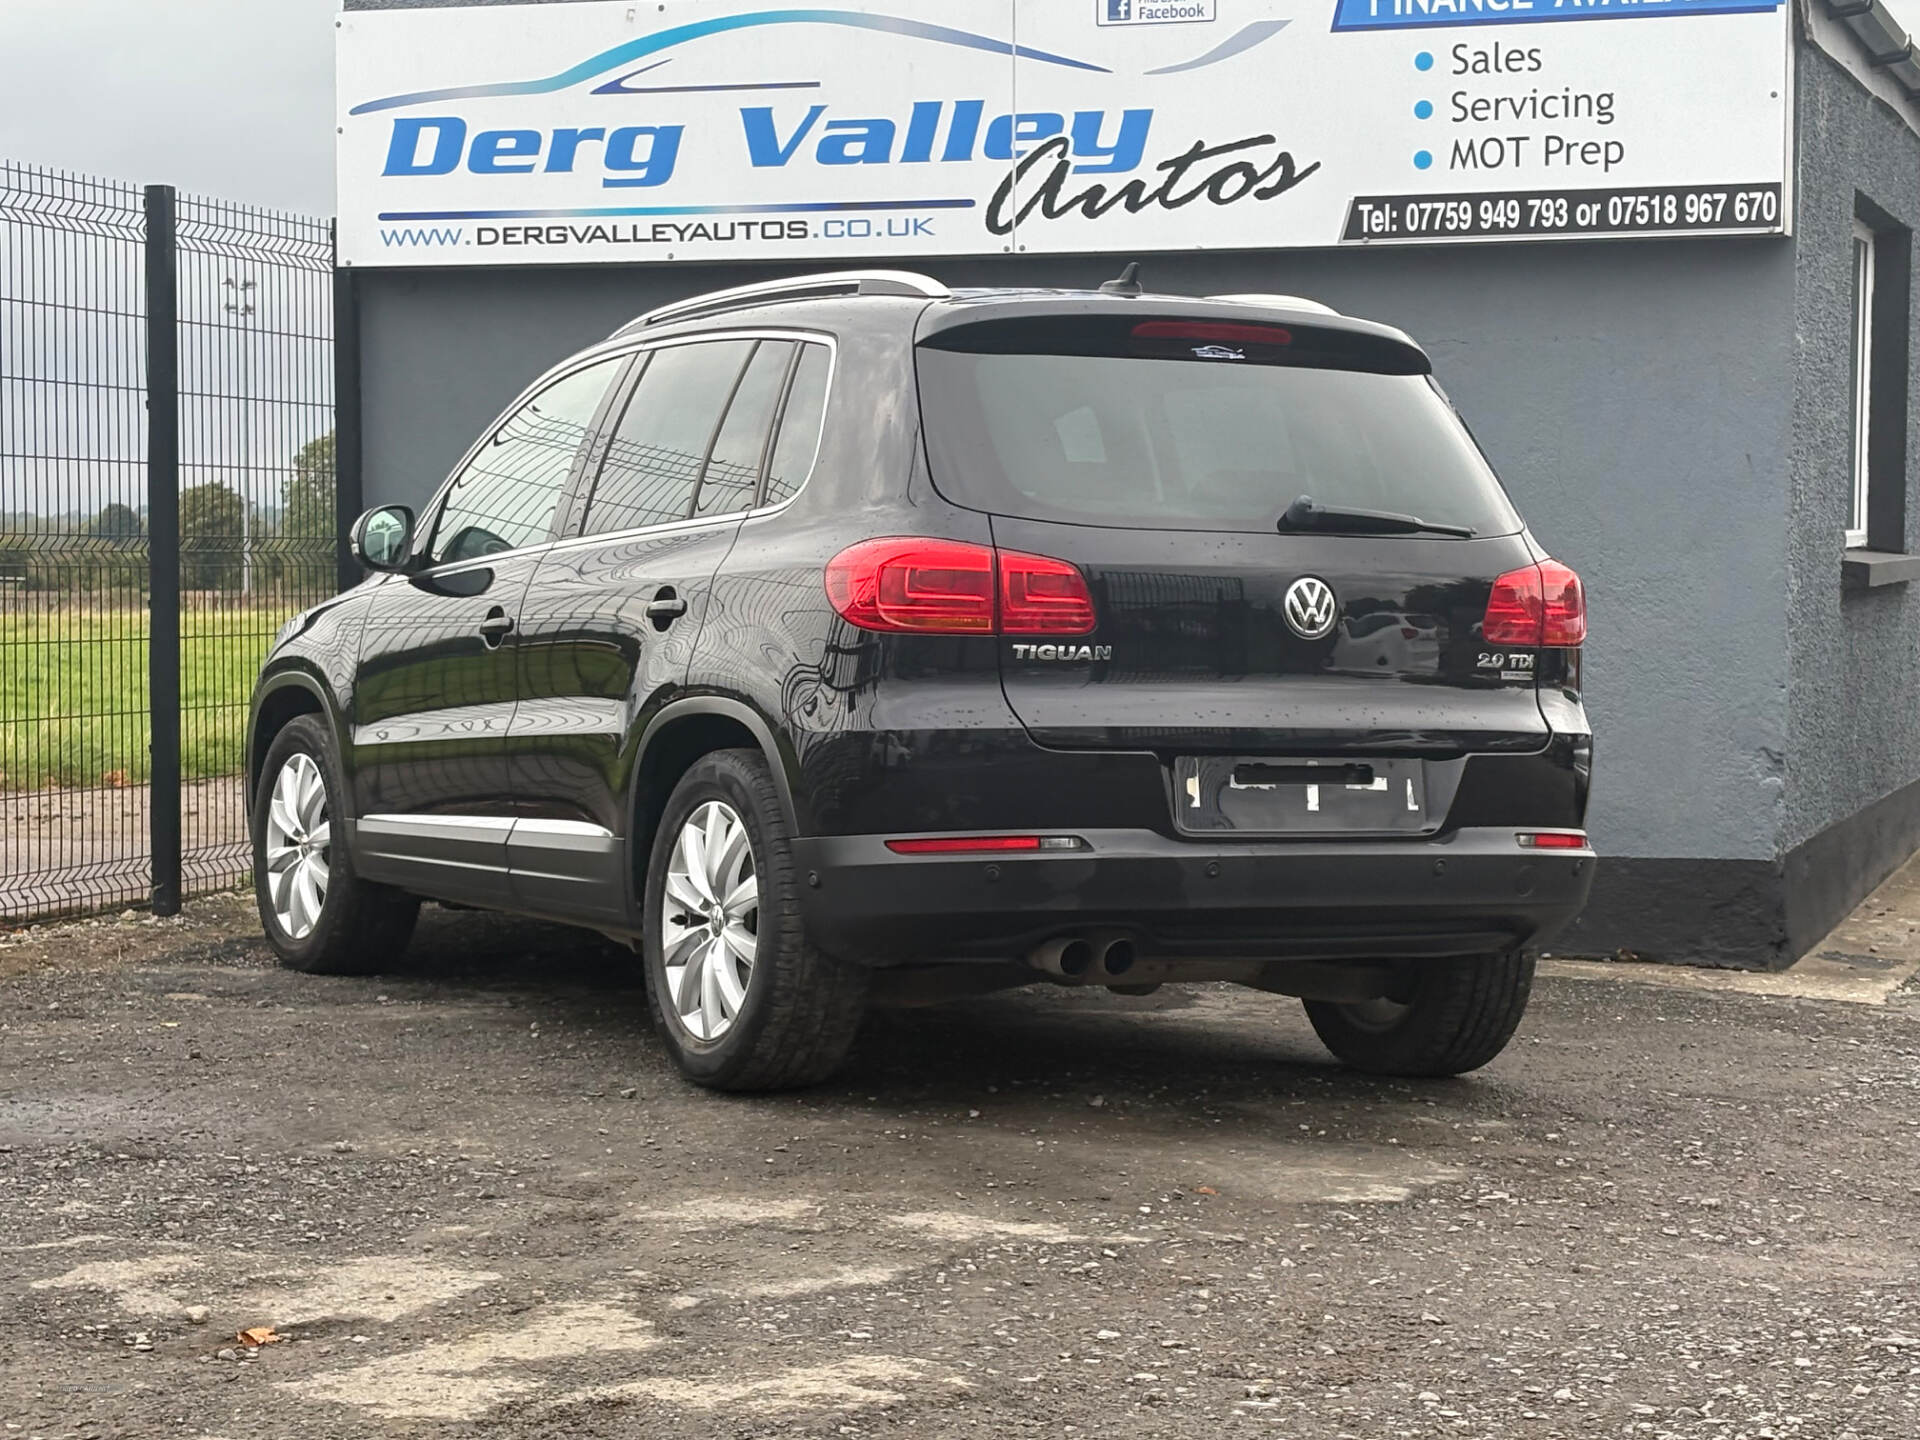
(1862, 380)
(506, 496)
(800, 426)
(733, 471)
(656, 454)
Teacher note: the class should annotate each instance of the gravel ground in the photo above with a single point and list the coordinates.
(471, 1199)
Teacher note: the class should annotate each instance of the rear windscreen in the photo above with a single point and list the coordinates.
(1195, 425)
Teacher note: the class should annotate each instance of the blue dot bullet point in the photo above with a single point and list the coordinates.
(1423, 61)
(1423, 110)
(1422, 159)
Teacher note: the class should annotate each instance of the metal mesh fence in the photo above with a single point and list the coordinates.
(73, 548)
(256, 487)
(256, 513)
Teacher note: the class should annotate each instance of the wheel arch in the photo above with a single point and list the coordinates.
(280, 699)
(679, 735)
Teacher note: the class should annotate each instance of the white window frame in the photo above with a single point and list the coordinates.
(1862, 417)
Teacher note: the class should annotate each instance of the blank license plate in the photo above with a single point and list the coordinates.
(1267, 796)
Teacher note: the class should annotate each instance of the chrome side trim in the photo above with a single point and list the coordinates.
(502, 823)
(568, 869)
(577, 828)
(646, 532)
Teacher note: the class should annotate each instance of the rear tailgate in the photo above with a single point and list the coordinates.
(1210, 471)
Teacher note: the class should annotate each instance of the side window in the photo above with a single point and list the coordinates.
(733, 470)
(505, 497)
(800, 424)
(654, 460)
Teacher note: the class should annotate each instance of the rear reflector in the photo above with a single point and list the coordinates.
(1552, 840)
(985, 844)
(1214, 330)
(1537, 605)
(961, 844)
(921, 586)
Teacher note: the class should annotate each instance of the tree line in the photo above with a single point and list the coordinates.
(222, 547)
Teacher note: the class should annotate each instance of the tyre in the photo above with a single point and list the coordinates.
(741, 998)
(1450, 1016)
(319, 916)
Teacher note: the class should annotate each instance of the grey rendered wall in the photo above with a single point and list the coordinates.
(1635, 397)
(1853, 701)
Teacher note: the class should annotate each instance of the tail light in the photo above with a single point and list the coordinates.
(942, 587)
(953, 587)
(1042, 596)
(1537, 605)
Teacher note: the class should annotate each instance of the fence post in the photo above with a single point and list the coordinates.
(347, 492)
(163, 548)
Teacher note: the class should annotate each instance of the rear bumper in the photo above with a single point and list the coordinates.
(1469, 892)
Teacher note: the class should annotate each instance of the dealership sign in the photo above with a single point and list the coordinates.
(716, 129)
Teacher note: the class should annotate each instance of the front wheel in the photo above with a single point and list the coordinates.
(742, 999)
(1444, 1018)
(319, 916)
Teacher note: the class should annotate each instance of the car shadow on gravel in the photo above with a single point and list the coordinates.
(1195, 1049)
(452, 945)
(1216, 1044)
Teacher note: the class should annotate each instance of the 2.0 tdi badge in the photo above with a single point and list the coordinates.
(1310, 608)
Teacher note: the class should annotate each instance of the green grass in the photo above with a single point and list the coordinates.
(73, 693)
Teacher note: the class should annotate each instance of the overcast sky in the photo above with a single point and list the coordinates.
(232, 98)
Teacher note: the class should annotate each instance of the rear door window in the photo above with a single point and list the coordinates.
(800, 424)
(659, 447)
(1099, 424)
(733, 470)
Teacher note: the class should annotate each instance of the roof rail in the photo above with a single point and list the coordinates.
(1282, 302)
(798, 287)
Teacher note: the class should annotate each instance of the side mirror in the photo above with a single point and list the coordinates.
(381, 538)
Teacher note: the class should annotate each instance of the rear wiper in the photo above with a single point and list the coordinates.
(1303, 514)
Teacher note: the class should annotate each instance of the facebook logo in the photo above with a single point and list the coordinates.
(1154, 12)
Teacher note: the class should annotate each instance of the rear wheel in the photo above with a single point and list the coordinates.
(742, 999)
(318, 915)
(1446, 1017)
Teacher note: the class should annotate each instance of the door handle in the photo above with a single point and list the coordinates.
(665, 608)
(496, 627)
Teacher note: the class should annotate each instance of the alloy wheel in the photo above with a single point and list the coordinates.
(298, 846)
(710, 918)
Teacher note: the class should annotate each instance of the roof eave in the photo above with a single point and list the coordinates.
(1882, 41)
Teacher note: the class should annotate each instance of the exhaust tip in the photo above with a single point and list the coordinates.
(1118, 957)
(1076, 957)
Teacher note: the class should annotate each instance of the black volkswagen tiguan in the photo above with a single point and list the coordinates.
(850, 640)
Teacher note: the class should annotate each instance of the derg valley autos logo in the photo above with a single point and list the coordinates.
(1050, 155)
